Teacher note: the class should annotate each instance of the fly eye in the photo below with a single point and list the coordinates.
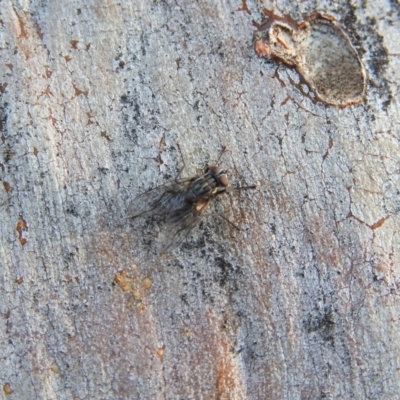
(223, 180)
(213, 169)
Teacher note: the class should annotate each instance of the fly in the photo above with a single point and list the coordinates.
(183, 202)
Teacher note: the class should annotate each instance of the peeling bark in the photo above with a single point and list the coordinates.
(303, 303)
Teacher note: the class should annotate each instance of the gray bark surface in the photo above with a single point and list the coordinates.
(302, 303)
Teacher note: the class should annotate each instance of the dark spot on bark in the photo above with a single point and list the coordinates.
(8, 154)
(126, 100)
(226, 274)
(3, 119)
(72, 210)
(321, 322)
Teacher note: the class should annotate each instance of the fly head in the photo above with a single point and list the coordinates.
(221, 177)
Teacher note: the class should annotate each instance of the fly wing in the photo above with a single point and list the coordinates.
(180, 223)
(160, 200)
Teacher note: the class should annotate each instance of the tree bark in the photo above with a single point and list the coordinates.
(302, 303)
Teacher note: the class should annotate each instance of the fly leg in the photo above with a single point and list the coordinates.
(223, 150)
(183, 161)
(229, 190)
(227, 220)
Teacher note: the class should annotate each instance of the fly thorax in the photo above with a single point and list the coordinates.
(203, 186)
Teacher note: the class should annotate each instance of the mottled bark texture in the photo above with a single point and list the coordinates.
(303, 303)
